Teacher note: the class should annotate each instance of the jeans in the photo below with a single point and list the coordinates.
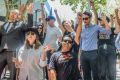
(89, 65)
(6, 59)
(107, 62)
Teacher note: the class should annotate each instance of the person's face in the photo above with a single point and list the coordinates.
(51, 23)
(66, 44)
(11, 16)
(40, 29)
(15, 15)
(31, 37)
(67, 23)
(101, 22)
(86, 20)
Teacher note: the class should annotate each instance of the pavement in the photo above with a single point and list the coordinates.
(118, 72)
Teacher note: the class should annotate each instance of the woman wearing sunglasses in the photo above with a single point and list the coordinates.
(41, 33)
(30, 58)
(64, 63)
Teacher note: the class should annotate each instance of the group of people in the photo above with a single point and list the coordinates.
(71, 51)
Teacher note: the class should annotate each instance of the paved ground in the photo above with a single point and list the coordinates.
(118, 72)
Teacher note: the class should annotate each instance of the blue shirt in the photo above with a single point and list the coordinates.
(117, 42)
(89, 37)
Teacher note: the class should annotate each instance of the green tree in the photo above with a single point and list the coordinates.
(83, 4)
(10, 4)
(14, 4)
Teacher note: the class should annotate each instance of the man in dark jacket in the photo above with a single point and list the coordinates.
(11, 39)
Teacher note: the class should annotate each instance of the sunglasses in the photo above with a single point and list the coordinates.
(85, 18)
(39, 28)
(67, 41)
(28, 33)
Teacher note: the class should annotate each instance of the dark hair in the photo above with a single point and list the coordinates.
(88, 13)
(107, 19)
(36, 44)
(72, 24)
(67, 36)
(63, 22)
(38, 26)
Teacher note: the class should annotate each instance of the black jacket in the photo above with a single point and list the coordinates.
(14, 38)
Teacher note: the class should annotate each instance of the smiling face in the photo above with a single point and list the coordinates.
(66, 44)
(31, 37)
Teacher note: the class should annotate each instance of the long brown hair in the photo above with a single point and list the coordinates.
(36, 44)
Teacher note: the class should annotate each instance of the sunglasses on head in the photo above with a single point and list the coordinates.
(30, 32)
(85, 18)
(67, 41)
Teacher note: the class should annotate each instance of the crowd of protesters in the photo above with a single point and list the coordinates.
(77, 50)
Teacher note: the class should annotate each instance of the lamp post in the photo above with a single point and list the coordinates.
(36, 12)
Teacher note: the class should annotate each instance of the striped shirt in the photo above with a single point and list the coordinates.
(89, 37)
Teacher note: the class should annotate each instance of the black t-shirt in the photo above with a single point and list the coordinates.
(66, 65)
(108, 39)
(42, 38)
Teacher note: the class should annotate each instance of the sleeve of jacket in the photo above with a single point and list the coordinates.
(30, 20)
(1, 28)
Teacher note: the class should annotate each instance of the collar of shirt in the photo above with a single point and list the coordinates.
(50, 26)
(89, 26)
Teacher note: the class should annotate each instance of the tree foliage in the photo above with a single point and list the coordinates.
(10, 4)
(14, 4)
(83, 4)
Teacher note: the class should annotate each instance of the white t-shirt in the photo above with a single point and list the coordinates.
(52, 35)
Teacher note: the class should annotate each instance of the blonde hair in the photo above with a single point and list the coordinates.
(13, 11)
